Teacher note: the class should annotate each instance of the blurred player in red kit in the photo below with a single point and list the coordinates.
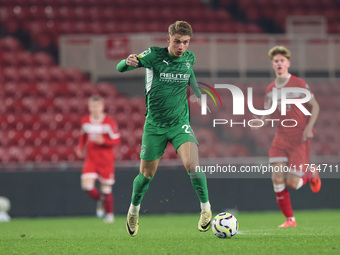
(291, 145)
(100, 134)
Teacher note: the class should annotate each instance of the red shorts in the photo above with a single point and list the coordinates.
(104, 173)
(294, 153)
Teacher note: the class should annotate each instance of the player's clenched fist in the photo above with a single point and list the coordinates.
(132, 60)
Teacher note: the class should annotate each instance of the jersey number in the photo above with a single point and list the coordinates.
(187, 128)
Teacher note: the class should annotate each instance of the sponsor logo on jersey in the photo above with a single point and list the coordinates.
(174, 77)
(144, 53)
(166, 62)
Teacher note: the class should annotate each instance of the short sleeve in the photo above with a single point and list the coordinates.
(146, 57)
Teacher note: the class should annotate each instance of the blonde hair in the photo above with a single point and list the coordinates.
(278, 49)
(96, 98)
(180, 27)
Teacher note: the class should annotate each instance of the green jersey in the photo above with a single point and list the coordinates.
(166, 82)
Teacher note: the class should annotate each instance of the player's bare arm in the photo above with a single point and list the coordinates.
(315, 108)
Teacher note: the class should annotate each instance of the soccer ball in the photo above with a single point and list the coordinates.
(5, 205)
(225, 225)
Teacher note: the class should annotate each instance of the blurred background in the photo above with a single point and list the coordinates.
(54, 54)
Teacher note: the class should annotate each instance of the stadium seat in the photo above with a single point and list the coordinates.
(42, 74)
(97, 27)
(26, 74)
(10, 44)
(42, 59)
(25, 59)
(57, 74)
(8, 59)
(107, 90)
(73, 75)
(10, 75)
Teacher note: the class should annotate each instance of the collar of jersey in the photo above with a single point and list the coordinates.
(284, 83)
(174, 59)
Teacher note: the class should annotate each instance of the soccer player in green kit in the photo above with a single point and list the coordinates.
(168, 73)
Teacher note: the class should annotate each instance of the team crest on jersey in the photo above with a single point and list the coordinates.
(188, 64)
(143, 149)
(144, 53)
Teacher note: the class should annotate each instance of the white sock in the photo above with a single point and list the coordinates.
(134, 209)
(291, 218)
(205, 206)
(299, 184)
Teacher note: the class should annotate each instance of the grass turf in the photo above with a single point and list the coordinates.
(318, 232)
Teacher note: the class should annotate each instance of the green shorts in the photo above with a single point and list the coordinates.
(155, 139)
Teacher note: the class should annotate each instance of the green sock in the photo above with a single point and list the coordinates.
(140, 187)
(199, 182)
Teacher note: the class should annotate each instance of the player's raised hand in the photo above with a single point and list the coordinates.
(132, 60)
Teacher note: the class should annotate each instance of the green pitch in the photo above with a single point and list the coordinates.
(318, 232)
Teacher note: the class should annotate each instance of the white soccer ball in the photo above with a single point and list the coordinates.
(225, 225)
(5, 204)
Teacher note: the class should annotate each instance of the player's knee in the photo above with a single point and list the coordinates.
(278, 184)
(278, 180)
(87, 186)
(190, 167)
(279, 187)
(291, 183)
(147, 173)
(106, 189)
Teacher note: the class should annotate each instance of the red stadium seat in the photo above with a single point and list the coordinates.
(253, 15)
(9, 59)
(107, 90)
(57, 74)
(26, 74)
(123, 106)
(97, 27)
(43, 59)
(127, 27)
(42, 74)
(15, 154)
(10, 44)
(25, 59)
(111, 27)
(10, 75)
(95, 14)
(74, 75)
(81, 12)
(44, 40)
(88, 89)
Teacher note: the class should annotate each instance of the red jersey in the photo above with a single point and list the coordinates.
(292, 111)
(90, 129)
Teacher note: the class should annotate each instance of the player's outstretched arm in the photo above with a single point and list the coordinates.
(130, 63)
